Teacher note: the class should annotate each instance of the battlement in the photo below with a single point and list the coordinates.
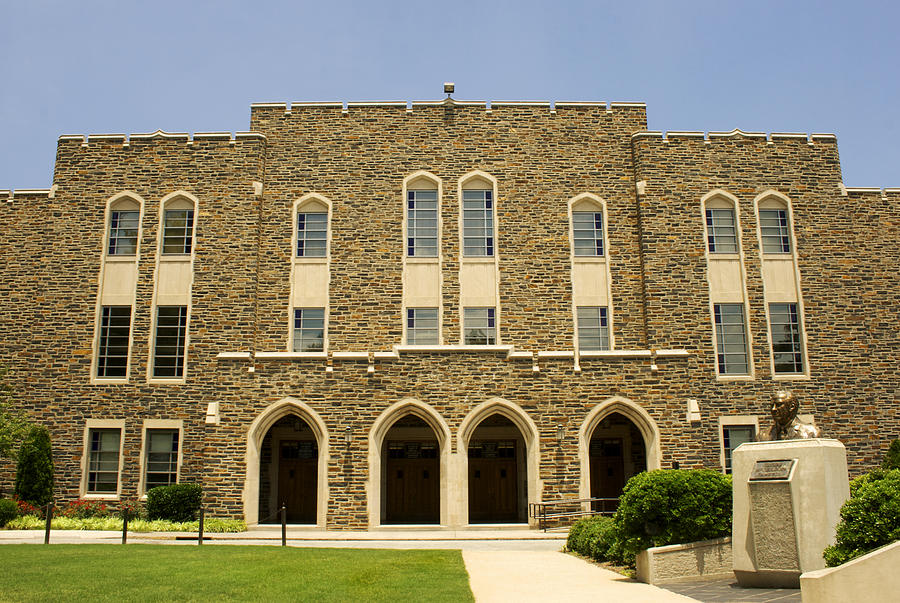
(860, 192)
(12, 195)
(123, 140)
(709, 137)
(487, 107)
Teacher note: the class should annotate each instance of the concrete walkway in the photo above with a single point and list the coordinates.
(541, 576)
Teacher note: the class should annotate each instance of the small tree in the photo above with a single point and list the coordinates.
(892, 456)
(13, 425)
(34, 474)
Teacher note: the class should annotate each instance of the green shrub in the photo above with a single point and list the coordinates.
(892, 456)
(869, 519)
(34, 473)
(178, 502)
(672, 507)
(9, 510)
(595, 537)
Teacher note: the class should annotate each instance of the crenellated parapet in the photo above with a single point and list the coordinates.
(629, 116)
(160, 137)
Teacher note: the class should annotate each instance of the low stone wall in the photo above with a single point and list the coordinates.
(709, 558)
(872, 578)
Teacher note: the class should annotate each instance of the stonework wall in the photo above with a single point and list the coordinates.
(848, 282)
(51, 253)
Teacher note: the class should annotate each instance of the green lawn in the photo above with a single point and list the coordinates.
(144, 572)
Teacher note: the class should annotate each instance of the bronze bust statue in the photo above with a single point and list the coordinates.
(787, 426)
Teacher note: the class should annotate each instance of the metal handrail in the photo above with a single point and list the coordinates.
(544, 511)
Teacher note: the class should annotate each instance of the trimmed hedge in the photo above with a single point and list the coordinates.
(673, 506)
(9, 510)
(657, 508)
(34, 472)
(178, 502)
(595, 537)
(870, 519)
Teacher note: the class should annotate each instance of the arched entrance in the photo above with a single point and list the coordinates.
(287, 456)
(411, 486)
(616, 453)
(288, 472)
(498, 484)
(617, 440)
(408, 465)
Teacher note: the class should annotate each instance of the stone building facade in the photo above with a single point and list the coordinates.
(437, 313)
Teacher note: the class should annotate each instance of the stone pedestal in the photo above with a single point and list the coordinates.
(787, 502)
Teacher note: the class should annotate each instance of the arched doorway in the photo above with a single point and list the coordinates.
(497, 472)
(617, 440)
(411, 479)
(289, 472)
(616, 452)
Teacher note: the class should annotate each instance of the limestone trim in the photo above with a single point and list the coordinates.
(117, 200)
(311, 202)
(175, 424)
(715, 263)
(380, 429)
(526, 426)
(478, 179)
(772, 199)
(182, 283)
(631, 411)
(589, 202)
(422, 179)
(89, 425)
(255, 435)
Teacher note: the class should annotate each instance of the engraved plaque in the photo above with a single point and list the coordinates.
(771, 470)
(773, 529)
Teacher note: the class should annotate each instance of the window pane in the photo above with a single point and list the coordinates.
(123, 228)
(171, 337)
(732, 437)
(421, 223)
(731, 339)
(478, 223)
(587, 229)
(422, 326)
(112, 353)
(312, 234)
(787, 351)
(721, 233)
(593, 328)
(162, 458)
(103, 460)
(178, 230)
(309, 329)
(479, 326)
(774, 230)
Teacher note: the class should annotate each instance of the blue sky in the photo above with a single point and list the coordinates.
(124, 67)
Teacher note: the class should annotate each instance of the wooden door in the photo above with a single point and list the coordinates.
(607, 471)
(412, 483)
(493, 482)
(298, 472)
